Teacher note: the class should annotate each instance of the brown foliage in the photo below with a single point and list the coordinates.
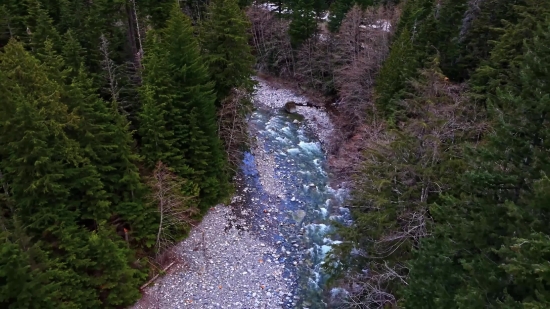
(271, 41)
(362, 44)
(232, 126)
(175, 208)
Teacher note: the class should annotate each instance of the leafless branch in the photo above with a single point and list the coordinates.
(175, 209)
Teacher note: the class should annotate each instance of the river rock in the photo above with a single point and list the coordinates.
(290, 107)
(298, 215)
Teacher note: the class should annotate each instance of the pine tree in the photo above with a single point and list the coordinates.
(24, 271)
(482, 27)
(73, 53)
(391, 81)
(40, 27)
(157, 95)
(42, 164)
(497, 70)
(196, 136)
(224, 37)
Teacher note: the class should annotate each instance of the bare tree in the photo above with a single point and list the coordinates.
(121, 82)
(271, 41)
(362, 45)
(139, 54)
(175, 209)
(232, 125)
(110, 69)
(314, 66)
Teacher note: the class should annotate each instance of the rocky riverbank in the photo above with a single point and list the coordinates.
(317, 118)
(224, 267)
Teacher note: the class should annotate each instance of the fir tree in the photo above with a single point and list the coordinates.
(157, 95)
(224, 37)
(303, 23)
(55, 187)
(189, 101)
(40, 27)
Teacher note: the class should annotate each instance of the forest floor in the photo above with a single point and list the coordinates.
(225, 262)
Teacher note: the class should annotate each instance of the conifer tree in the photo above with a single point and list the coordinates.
(157, 95)
(53, 182)
(24, 271)
(73, 53)
(303, 23)
(40, 27)
(189, 101)
(225, 38)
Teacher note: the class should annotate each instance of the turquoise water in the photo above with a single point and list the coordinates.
(305, 209)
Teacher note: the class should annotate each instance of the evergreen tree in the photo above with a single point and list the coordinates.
(24, 272)
(481, 28)
(55, 189)
(303, 23)
(189, 101)
(157, 95)
(225, 38)
(40, 27)
(508, 52)
(73, 53)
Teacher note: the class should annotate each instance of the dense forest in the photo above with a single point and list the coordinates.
(116, 115)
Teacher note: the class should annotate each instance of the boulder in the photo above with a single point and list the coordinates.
(290, 107)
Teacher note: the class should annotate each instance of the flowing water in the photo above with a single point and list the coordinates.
(294, 207)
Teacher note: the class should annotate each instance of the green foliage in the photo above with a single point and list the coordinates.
(395, 72)
(482, 27)
(424, 30)
(225, 39)
(406, 57)
(498, 71)
(24, 274)
(54, 185)
(404, 171)
(303, 23)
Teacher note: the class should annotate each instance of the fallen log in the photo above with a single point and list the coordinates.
(156, 276)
